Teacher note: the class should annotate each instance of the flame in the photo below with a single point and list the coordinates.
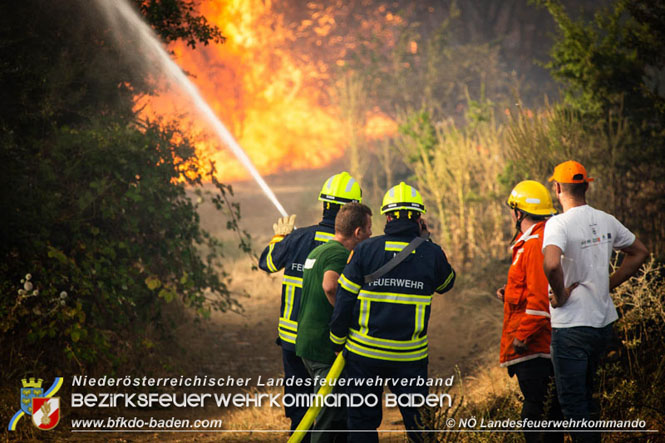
(380, 126)
(271, 97)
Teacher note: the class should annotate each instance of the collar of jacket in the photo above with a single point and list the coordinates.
(529, 234)
(328, 222)
(402, 228)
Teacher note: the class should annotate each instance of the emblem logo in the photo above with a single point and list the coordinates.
(44, 408)
(46, 413)
(31, 388)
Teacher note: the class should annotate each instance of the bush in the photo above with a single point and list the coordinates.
(108, 236)
(633, 386)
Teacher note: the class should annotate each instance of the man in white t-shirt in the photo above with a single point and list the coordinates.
(577, 248)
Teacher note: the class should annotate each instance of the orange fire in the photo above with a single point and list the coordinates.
(272, 98)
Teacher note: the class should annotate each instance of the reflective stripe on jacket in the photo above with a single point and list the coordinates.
(387, 319)
(290, 254)
(526, 308)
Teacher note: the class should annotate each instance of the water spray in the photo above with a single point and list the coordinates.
(119, 12)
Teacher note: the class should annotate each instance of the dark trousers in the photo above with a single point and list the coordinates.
(330, 419)
(294, 367)
(576, 354)
(536, 380)
(369, 418)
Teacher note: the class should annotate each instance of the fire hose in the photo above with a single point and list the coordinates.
(313, 411)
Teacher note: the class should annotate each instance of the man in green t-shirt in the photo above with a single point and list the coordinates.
(323, 266)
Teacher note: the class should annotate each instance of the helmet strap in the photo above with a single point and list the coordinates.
(518, 224)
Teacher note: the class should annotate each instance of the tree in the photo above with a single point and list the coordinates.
(612, 71)
(98, 229)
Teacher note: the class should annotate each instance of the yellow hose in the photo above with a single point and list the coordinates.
(313, 411)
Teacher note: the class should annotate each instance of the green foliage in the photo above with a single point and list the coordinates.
(612, 71)
(633, 385)
(613, 62)
(177, 20)
(108, 221)
(95, 201)
(456, 171)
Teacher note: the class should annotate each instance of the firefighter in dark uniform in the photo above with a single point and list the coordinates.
(288, 250)
(382, 324)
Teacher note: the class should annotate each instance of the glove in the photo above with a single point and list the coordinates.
(284, 226)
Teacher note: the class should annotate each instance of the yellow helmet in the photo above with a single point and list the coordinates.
(402, 196)
(531, 198)
(341, 188)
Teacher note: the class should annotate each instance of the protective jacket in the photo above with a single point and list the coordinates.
(290, 254)
(526, 309)
(386, 319)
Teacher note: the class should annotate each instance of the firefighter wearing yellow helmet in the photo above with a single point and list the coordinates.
(382, 309)
(341, 188)
(288, 250)
(530, 198)
(402, 197)
(526, 333)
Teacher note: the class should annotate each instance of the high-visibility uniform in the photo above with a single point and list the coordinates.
(526, 307)
(290, 254)
(383, 324)
(526, 317)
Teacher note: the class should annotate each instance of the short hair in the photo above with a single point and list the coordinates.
(577, 190)
(351, 216)
(535, 218)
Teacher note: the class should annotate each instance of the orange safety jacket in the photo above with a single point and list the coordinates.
(526, 307)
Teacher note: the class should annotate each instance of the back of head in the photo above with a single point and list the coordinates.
(403, 202)
(351, 216)
(572, 177)
(340, 189)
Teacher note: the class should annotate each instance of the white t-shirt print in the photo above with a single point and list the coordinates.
(586, 237)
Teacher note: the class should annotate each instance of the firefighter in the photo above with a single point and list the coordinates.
(525, 340)
(288, 250)
(381, 320)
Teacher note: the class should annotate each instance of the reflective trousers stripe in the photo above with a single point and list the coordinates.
(385, 355)
(387, 344)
